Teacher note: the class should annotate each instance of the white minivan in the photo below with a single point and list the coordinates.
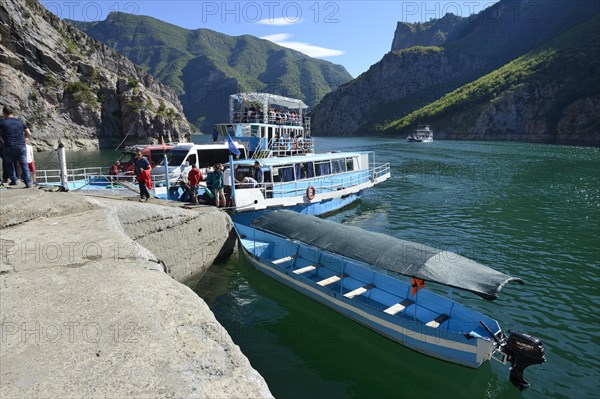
(182, 157)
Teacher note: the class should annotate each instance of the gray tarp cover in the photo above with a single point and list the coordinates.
(386, 252)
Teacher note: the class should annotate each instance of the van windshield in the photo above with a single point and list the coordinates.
(156, 156)
(175, 158)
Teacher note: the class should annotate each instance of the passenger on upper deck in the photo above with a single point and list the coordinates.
(257, 173)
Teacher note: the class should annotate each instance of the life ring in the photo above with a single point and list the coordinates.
(310, 192)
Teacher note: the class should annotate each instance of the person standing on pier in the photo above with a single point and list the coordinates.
(14, 132)
(217, 184)
(194, 179)
(30, 160)
(142, 171)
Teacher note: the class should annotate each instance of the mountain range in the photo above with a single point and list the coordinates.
(72, 89)
(519, 70)
(204, 67)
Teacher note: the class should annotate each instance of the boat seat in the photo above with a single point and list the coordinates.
(306, 269)
(359, 291)
(283, 260)
(331, 280)
(435, 323)
(399, 307)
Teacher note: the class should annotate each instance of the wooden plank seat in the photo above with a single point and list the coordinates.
(306, 269)
(435, 323)
(359, 291)
(399, 307)
(331, 280)
(283, 260)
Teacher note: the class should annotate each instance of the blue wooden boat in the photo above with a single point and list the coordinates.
(362, 275)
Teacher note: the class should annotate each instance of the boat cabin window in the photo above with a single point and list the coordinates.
(283, 174)
(322, 168)
(267, 176)
(349, 164)
(338, 166)
(254, 130)
(305, 170)
(310, 169)
(242, 171)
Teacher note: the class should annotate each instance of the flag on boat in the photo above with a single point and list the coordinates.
(415, 285)
(232, 148)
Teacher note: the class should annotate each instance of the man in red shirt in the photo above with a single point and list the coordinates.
(194, 178)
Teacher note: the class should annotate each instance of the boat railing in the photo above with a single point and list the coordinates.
(274, 119)
(327, 184)
(52, 176)
(83, 179)
(378, 170)
(288, 146)
(89, 178)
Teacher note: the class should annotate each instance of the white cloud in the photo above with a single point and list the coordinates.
(308, 49)
(281, 21)
(278, 37)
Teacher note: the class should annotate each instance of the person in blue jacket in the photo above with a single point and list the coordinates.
(14, 132)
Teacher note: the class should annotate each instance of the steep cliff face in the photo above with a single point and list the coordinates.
(433, 33)
(471, 49)
(527, 113)
(71, 88)
(550, 95)
(382, 92)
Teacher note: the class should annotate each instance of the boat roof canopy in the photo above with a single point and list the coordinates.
(270, 99)
(386, 252)
(280, 161)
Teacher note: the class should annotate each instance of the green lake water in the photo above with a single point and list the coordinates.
(531, 211)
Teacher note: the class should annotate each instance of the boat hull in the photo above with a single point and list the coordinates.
(318, 208)
(443, 344)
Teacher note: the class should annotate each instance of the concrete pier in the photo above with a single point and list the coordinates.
(92, 304)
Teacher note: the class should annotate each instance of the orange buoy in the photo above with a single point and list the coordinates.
(310, 192)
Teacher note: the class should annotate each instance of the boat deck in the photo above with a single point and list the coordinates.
(381, 294)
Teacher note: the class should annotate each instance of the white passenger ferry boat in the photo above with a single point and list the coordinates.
(276, 131)
(422, 134)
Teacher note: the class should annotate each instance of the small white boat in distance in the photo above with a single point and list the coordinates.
(422, 134)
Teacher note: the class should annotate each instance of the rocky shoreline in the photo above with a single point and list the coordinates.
(93, 304)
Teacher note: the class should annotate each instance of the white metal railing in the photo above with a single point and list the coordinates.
(277, 119)
(52, 176)
(93, 179)
(326, 184)
(287, 146)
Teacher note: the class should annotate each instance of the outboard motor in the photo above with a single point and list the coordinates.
(522, 350)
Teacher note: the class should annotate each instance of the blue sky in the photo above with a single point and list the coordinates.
(353, 33)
